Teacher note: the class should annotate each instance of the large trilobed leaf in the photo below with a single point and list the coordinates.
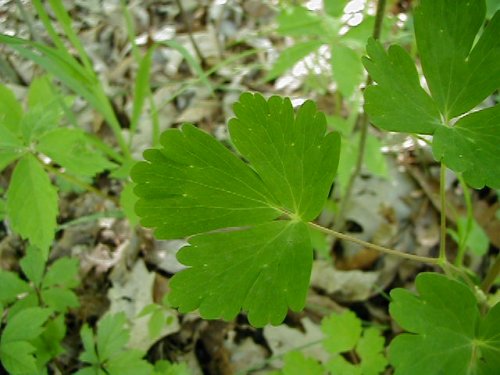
(460, 75)
(259, 257)
(446, 332)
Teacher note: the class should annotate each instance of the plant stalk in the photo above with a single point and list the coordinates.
(442, 197)
(491, 276)
(382, 249)
(187, 23)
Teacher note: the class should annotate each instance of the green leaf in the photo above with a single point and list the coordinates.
(342, 332)
(294, 158)
(12, 286)
(17, 358)
(141, 88)
(196, 185)
(40, 93)
(290, 56)
(129, 362)
(370, 349)
(338, 365)
(346, 68)
(71, 149)
(397, 102)
(264, 270)
(297, 364)
(112, 335)
(33, 265)
(458, 78)
(127, 203)
(163, 367)
(30, 197)
(447, 333)
(39, 120)
(59, 299)
(25, 325)
(63, 272)
(11, 111)
(471, 147)
(89, 353)
(334, 8)
(48, 344)
(298, 21)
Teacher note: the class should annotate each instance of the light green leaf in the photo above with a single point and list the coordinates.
(17, 358)
(129, 362)
(458, 78)
(112, 335)
(342, 332)
(48, 344)
(297, 364)
(474, 238)
(141, 88)
(71, 149)
(63, 272)
(298, 21)
(157, 322)
(290, 56)
(12, 286)
(196, 185)
(40, 93)
(127, 202)
(59, 299)
(25, 325)
(33, 265)
(338, 365)
(264, 270)
(163, 367)
(397, 102)
(11, 147)
(447, 334)
(370, 349)
(294, 158)
(31, 197)
(11, 111)
(334, 8)
(89, 354)
(346, 68)
(471, 147)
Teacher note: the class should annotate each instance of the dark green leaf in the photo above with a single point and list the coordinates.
(447, 333)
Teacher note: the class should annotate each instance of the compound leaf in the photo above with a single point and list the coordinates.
(12, 286)
(32, 203)
(445, 31)
(25, 325)
(370, 349)
(342, 332)
(17, 358)
(447, 333)
(297, 364)
(195, 185)
(263, 269)
(11, 111)
(471, 147)
(112, 335)
(72, 149)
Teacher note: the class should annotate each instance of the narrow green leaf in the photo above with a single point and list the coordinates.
(71, 149)
(471, 147)
(347, 68)
(263, 269)
(31, 197)
(458, 78)
(445, 330)
(33, 265)
(397, 102)
(290, 56)
(11, 111)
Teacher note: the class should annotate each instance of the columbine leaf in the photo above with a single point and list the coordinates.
(471, 147)
(263, 269)
(292, 155)
(297, 364)
(195, 185)
(458, 78)
(447, 333)
(370, 349)
(31, 197)
(397, 102)
(72, 149)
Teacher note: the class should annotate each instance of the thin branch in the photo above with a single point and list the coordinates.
(442, 197)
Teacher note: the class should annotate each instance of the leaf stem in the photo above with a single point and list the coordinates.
(442, 197)
(491, 276)
(462, 246)
(382, 249)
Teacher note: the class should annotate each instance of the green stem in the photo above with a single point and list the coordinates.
(382, 249)
(491, 276)
(462, 246)
(363, 125)
(442, 197)
(187, 23)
